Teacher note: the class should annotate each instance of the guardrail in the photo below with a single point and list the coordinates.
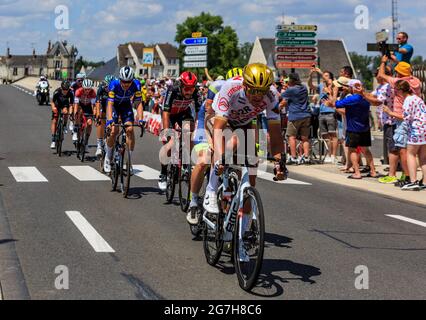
(419, 71)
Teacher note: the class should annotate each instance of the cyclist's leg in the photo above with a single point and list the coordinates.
(100, 130)
(65, 114)
(113, 134)
(87, 109)
(54, 121)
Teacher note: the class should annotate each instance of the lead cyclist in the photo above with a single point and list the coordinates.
(236, 105)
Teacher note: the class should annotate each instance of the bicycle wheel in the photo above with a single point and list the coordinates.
(126, 172)
(213, 238)
(171, 183)
(249, 247)
(59, 137)
(197, 229)
(185, 187)
(115, 172)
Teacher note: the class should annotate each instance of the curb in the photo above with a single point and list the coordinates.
(12, 281)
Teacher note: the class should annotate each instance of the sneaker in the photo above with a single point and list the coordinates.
(303, 160)
(210, 202)
(162, 183)
(328, 160)
(53, 145)
(412, 186)
(192, 216)
(244, 257)
(402, 183)
(71, 126)
(65, 130)
(388, 180)
(99, 151)
(74, 137)
(291, 161)
(107, 165)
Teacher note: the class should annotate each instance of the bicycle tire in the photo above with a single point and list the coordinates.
(83, 145)
(213, 256)
(59, 137)
(115, 172)
(247, 282)
(126, 172)
(197, 229)
(185, 182)
(171, 183)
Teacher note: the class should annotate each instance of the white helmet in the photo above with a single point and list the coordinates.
(127, 74)
(87, 84)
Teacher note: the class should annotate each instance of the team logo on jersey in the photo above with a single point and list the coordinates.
(223, 105)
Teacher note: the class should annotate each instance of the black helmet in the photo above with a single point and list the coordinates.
(65, 85)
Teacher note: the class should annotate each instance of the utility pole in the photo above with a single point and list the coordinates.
(395, 24)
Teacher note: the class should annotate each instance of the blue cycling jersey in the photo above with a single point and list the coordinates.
(118, 95)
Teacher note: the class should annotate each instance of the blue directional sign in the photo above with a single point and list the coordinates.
(195, 41)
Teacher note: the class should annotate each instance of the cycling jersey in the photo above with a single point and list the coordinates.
(62, 101)
(75, 86)
(175, 102)
(214, 89)
(102, 96)
(118, 95)
(85, 98)
(231, 103)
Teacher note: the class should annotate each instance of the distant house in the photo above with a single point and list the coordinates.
(57, 63)
(332, 53)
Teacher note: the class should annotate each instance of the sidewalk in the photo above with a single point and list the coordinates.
(30, 83)
(331, 173)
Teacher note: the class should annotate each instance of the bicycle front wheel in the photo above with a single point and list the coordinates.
(171, 183)
(249, 240)
(185, 187)
(59, 137)
(213, 238)
(115, 173)
(126, 173)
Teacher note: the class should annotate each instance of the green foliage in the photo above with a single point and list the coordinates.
(245, 52)
(223, 52)
(364, 66)
(80, 62)
(417, 60)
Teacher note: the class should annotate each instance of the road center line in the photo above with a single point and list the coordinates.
(92, 236)
(419, 223)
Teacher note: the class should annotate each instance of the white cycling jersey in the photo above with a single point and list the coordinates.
(231, 103)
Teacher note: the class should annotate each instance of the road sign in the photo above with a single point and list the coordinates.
(196, 35)
(296, 27)
(285, 35)
(196, 50)
(295, 42)
(297, 49)
(295, 57)
(200, 64)
(195, 58)
(195, 41)
(293, 65)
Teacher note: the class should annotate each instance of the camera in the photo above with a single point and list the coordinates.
(381, 44)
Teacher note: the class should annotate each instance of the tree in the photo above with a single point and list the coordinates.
(417, 60)
(245, 52)
(364, 66)
(80, 62)
(223, 50)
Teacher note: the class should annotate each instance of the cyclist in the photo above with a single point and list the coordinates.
(202, 143)
(101, 103)
(84, 100)
(120, 106)
(237, 104)
(62, 99)
(77, 84)
(177, 109)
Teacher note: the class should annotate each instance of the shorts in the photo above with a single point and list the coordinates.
(103, 106)
(358, 139)
(181, 117)
(299, 128)
(400, 136)
(388, 132)
(87, 109)
(327, 123)
(124, 111)
(59, 110)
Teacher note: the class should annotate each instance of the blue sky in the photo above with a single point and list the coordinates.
(97, 27)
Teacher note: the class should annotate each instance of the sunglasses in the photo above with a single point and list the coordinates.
(256, 92)
(188, 89)
(126, 82)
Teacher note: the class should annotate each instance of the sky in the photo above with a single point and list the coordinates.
(97, 27)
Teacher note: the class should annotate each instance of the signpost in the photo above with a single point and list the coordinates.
(296, 46)
(195, 51)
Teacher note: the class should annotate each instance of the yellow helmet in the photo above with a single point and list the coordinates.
(234, 72)
(258, 76)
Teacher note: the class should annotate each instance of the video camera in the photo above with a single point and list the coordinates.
(381, 44)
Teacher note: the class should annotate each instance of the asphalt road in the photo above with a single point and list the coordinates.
(317, 234)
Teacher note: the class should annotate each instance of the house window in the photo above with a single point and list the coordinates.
(40, 72)
(27, 71)
(57, 64)
(15, 71)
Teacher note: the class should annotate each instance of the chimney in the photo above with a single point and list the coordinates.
(34, 53)
(8, 52)
(49, 46)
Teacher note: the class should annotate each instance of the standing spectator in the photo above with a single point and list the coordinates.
(415, 119)
(327, 118)
(405, 50)
(295, 99)
(347, 72)
(358, 134)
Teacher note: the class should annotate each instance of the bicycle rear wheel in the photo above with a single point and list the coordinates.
(185, 187)
(249, 240)
(126, 172)
(171, 183)
(213, 238)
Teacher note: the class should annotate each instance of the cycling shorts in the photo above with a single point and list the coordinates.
(124, 111)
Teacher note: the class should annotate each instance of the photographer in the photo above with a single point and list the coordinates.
(405, 51)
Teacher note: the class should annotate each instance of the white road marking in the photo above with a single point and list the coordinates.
(92, 236)
(145, 172)
(85, 173)
(420, 223)
(27, 174)
(270, 177)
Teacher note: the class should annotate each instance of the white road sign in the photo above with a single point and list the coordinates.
(196, 50)
(195, 58)
(200, 64)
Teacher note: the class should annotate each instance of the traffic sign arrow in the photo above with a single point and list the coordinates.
(196, 50)
(296, 49)
(284, 34)
(195, 41)
(280, 42)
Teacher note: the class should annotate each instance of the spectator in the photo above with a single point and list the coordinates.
(347, 72)
(327, 118)
(358, 134)
(405, 50)
(415, 119)
(403, 71)
(295, 99)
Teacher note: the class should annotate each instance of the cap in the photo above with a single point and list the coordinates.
(354, 82)
(341, 82)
